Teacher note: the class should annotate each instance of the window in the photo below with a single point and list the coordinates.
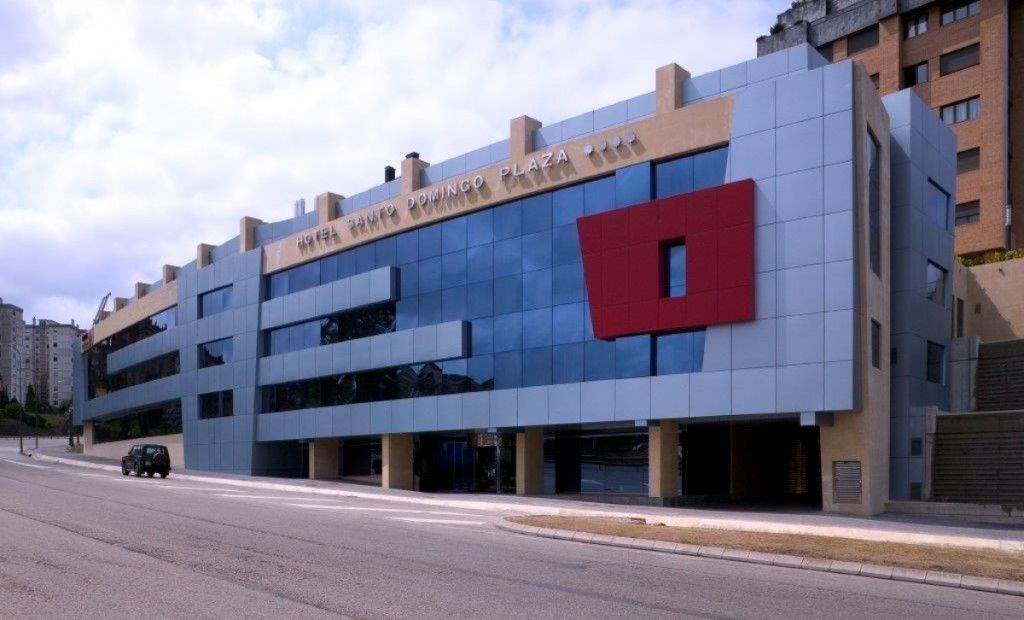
(860, 41)
(674, 269)
(968, 160)
(961, 9)
(937, 204)
(876, 344)
(216, 405)
(679, 353)
(935, 285)
(215, 302)
(915, 74)
(216, 353)
(874, 80)
(934, 372)
(961, 111)
(959, 318)
(960, 59)
(915, 25)
(874, 208)
(150, 370)
(915, 446)
(968, 212)
(349, 325)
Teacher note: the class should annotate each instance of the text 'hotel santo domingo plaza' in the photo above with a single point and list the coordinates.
(696, 292)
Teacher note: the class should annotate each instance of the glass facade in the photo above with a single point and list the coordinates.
(674, 269)
(515, 272)
(216, 405)
(360, 323)
(215, 302)
(96, 357)
(216, 353)
(150, 370)
(158, 420)
(935, 284)
(936, 204)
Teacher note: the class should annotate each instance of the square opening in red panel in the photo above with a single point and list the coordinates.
(672, 272)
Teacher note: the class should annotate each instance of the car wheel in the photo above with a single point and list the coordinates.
(138, 472)
(149, 473)
(163, 474)
(124, 470)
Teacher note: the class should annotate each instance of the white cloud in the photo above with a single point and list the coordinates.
(131, 132)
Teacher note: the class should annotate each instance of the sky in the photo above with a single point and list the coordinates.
(130, 132)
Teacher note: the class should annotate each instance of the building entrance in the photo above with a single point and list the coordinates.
(478, 462)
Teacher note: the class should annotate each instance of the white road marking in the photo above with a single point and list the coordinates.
(25, 464)
(293, 498)
(367, 509)
(440, 521)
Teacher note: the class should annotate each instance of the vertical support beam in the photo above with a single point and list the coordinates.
(140, 290)
(247, 233)
(170, 273)
(521, 131)
(663, 458)
(412, 166)
(119, 302)
(530, 461)
(204, 255)
(328, 207)
(87, 436)
(323, 459)
(668, 89)
(396, 461)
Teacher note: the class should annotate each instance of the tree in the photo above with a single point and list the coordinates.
(64, 406)
(30, 399)
(13, 409)
(3, 399)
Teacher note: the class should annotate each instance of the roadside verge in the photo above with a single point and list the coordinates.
(535, 526)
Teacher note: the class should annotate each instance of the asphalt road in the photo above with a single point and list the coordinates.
(77, 542)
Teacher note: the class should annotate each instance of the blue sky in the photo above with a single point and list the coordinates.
(132, 131)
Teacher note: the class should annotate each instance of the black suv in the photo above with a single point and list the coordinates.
(147, 459)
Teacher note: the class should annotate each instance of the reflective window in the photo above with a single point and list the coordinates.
(968, 212)
(152, 422)
(679, 353)
(968, 160)
(935, 284)
(361, 323)
(215, 302)
(674, 269)
(633, 357)
(936, 359)
(693, 172)
(150, 370)
(537, 369)
(959, 9)
(960, 59)
(915, 25)
(937, 204)
(874, 199)
(216, 353)
(537, 213)
(537, 328)
(860, 41)
(961, 111)
(633, 185)
(216, 405)
(915, 74)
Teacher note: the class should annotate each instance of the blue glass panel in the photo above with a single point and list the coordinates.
(386, 251)
(480, 263)
(567, 205)
(453, 269)
(278, 285)
(633, 357)
(430, 308)
(537, 213)
(508, 221)
(566, 245)
(567, 284)
(430, 274)
(537, 328)
(709, 168)
(480, 301)
(508, 257)
(537, 289)
(698, 350)
(346, 264)
(537, 366)
(480, 227)
(674, 353)
(409, 279)
(480, 369)
(537, 251)
(407, 313)
(453, 303)
(330, 268)
(430, 241)
(508, 370)
(482, 336)
(508, 332)
(633, 184)
(407, 247)
(673, 177)
(568, 363)
(674, 256)
(567, 323)
(366, 258)
(453, 235)
(599, 361)
(599, 196)
(508, 294)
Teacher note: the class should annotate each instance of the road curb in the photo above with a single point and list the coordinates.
(874, 571)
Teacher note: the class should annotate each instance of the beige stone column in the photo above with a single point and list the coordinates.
(247, 233)
(323, 459)
(663, 458)
(396, 461)
(87, 439)
(325, 207)
(530, 461)
(521, 131)
(668, 90)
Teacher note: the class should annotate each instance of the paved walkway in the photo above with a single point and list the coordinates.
(884, 528)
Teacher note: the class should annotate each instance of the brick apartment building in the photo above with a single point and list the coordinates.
(958, 57)
(37, 354)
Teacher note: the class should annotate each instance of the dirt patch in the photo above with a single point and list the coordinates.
(981, 563)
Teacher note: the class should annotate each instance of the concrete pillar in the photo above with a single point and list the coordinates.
(323, 459)
(170, 272)
(326, 207)
(668, 89)
(396, 461)
(530, 461)
(247, 233)
(120, 302)
(663, 458)
(140, 289)
(411, 169)
(204, 255)
(521, 131)
(87, 440)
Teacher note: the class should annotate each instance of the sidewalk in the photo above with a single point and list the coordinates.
(885, 528)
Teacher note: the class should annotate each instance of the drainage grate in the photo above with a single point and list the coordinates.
(846, 482)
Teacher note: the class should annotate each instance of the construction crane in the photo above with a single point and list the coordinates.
(99, 312)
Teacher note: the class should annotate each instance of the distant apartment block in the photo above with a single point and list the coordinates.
(37, 354)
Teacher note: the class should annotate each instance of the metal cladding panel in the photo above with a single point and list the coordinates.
(622, 262)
